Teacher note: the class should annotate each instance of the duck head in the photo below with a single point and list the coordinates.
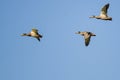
(92, 16)
(25, 34)
(77, 32)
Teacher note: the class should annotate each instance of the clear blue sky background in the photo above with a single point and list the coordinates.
(61, 54)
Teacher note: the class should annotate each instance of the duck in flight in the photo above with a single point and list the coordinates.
(103, 14)
(87, 36)
(34, 33)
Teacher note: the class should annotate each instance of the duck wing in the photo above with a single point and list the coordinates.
(87, 41)
(104, 10)
(35, 30)
(87, 38)
(37, 38)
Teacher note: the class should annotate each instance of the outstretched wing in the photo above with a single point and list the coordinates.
(104, 9)
(87, 41)
(40, 36)
(35, 30)
(87, 37)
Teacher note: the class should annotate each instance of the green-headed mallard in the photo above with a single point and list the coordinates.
(103, 15)
(87, 36)
(34, 33)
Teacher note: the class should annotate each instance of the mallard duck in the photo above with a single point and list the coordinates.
(103, 15)
(34, 33)
(87, 36)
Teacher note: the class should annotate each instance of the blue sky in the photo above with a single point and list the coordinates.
(61, 54)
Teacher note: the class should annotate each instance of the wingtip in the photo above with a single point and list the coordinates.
(39, 40)
(86, 45)
(107, 4)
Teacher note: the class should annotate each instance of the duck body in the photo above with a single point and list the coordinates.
(87, 36)
(103, 15)
(34, 33)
